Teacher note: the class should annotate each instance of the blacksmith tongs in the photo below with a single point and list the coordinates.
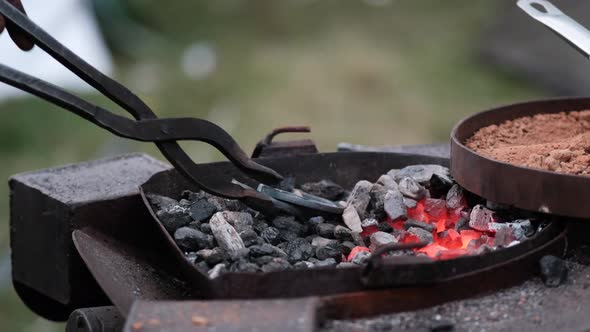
(148, 127)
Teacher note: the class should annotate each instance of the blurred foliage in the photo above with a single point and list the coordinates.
(370, 72)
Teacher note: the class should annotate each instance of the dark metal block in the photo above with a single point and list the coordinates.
(47, 205)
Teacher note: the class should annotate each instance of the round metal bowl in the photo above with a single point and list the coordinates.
(521, 187)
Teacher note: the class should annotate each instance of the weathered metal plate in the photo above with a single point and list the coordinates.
(128, 272)
(229, 316)
(521, 187)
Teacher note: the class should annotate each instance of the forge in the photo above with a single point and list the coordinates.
(121, 267)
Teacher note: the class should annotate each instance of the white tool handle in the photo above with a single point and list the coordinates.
(568, 29)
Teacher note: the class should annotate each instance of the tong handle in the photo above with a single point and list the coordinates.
(564, 26)
(122, 96)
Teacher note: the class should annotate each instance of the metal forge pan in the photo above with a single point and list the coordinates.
(521, 187)
(346, 169)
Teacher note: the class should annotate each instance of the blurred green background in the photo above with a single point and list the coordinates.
(372, 72)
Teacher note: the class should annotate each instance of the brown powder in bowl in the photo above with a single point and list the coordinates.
(557, 142)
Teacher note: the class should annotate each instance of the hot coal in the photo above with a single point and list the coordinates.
(352, 219)
(553, 270)
(379, 239)
(420, 224)
(394, 205)
(415, 204)
(360, 197)
(411, 188)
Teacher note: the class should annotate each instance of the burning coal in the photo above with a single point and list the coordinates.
(419, 203)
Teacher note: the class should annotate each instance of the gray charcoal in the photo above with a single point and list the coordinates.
(217, 270)
(342, 233)
(423, 173)
(462, 224)
(393, 172)
(212, 256)
(376, 205)
(504, 237)
(173, 217)
(326, 230)
(303, 265)
(352, 219)
(195, 225)
(314, 221)
(206, 228)
(202, 267)
(276, 264)
(289, 223)
(328, 262)
(436, 208)
(271, 235)
(388, 182)
(455, 197)
(394, 205)
(190, 239)
(379, 239)
(361, 257)
(283, 246)
(347, 247)
(192, 257)
(518, 228)
(243, 265)
(411, 188)
(241, 221)
(439, 186)
(325, 188)
(227, 237)
(423, 235)
(331, 250)
(249, 237)
(360, 196)
(287, 235)
(260, 225)
(201, 210)
(266, 249)
(420, 224)
(345, 265)
(480, 218)
(263, 260)
(384, 227)
(369, 222)
(161, 202)
(185, 203)
(299, 250)
(357, 238)
(410, 203)
(553, 270)
(319, 241)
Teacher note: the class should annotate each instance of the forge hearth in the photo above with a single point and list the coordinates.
(414, 204)
(152, 267)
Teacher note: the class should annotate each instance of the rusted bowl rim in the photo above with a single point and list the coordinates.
(459, 148)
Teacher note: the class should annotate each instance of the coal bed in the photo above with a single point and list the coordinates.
(415, 204)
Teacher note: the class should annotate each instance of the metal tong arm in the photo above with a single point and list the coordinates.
(145, 129)
(564, 26)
